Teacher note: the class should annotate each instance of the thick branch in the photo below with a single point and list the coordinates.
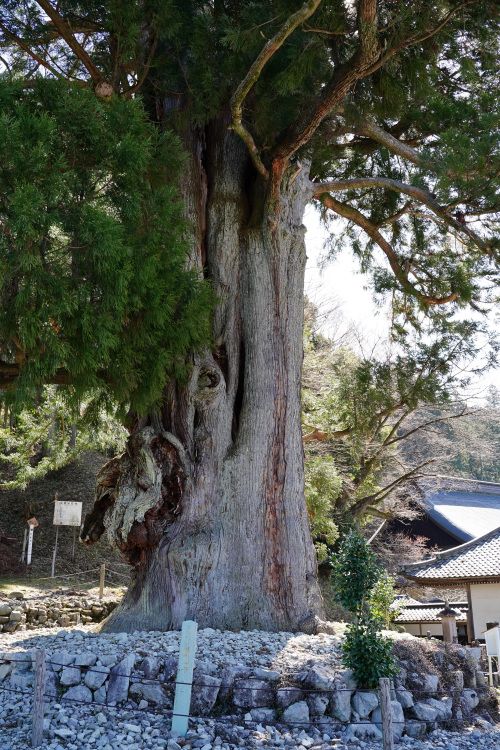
(363, 505)
(351, 213)
(63, 28)
(29, 51)
(414, 192)
(341, 82)
(253, 74)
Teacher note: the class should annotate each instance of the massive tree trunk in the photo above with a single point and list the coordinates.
(207, 503)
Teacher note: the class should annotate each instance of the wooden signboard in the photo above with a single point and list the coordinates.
(67, 513)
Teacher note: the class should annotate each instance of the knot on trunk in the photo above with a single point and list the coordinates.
(138, 494)
(209, 384)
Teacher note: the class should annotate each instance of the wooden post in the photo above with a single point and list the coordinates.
(54, 554)
(101, 580)
(182, 700)
(470, 616)
(24, 545)
(74, 543)
(386, 711)
(38, 699)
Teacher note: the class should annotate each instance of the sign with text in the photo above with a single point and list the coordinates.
(67, 513)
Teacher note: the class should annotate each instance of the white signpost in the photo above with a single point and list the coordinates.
(66, 513)
(32, 523)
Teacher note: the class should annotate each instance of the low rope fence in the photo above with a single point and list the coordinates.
(180, 714)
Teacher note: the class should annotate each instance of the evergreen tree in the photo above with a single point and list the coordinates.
(385, 114)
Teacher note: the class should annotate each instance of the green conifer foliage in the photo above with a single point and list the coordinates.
(93, 286)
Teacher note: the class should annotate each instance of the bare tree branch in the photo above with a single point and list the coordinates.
(254, 73)
(423, 196)
(351, 213)
(64, 30)
(29, 51)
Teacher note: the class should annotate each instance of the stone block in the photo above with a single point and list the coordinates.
(153, 693)
(405, 697)
(5, 610)
(205, 691)
(320, 677)
(442, 706)
(471, 697)
(398, 719)
(340, 705)
(430, 683)
(456, 678)
(286, 696)
(318, 703)
(416, 729)
(22, 679)
(79, 694)
(119, 680)
(364, 731)
(5, 670)
(424, 712)
(70, 676)
(364, 703)
(252, 693)
(87, 659)
(150, 667)
(61, 659)
(296, 714)
(263, 715)
(96, 677)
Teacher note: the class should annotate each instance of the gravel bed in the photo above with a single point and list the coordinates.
(92, 727)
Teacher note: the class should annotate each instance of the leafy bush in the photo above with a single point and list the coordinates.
(381, 601)
(355, 578)
(368, 654)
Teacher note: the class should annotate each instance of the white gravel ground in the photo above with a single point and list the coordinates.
(92, 727)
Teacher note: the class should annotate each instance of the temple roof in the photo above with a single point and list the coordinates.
(465, 508)
(477, 561)
(429, 612)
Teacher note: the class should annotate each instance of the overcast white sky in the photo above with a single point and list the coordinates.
(342, 281)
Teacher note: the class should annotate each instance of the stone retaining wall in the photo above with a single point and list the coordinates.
(318, 694)
(51, 611)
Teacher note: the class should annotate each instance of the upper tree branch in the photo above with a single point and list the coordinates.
(340, 83)
(351, 213)
(29, 51)
(253, 74)
(64, 30)
(423, 196)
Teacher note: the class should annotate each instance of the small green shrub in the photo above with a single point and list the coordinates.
(355, 577)
(368, 654)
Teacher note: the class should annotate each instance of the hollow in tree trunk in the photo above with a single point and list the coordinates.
(207, 502)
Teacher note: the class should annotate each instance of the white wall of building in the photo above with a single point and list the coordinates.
(485, 598)
(414, 628)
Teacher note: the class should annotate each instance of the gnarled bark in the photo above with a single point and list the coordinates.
(208, 503)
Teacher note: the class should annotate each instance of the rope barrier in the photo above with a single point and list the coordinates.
(68, 575)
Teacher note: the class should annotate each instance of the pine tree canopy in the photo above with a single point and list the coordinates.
(392, 106)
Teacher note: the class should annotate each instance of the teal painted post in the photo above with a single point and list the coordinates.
(182, 700)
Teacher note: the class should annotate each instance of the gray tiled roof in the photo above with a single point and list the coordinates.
(475, 560)
(429, 612)
(466, 508)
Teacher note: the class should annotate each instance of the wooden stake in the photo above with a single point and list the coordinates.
(386, 711)
(38, 699)
(24, 545)
(54, 554)
(101, 580)
(74, 542)
(184, 682)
